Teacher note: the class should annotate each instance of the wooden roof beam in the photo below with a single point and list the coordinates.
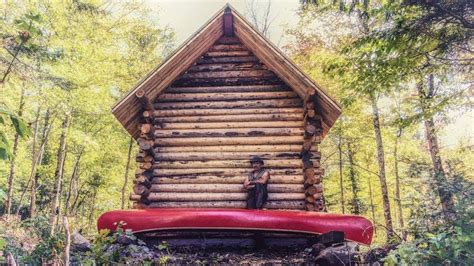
(228, 22)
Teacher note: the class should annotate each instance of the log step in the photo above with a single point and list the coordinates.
(223, 188)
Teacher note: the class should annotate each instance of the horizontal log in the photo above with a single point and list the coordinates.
(223, 188)
(145, 165)
(202, 156)
(225, 96)
(231, 148)
(199, 76)
(227, 81)
(227, 53)
(274, 103)
(272, 164)
(215, 112)
(219, 171)
(227, 47)
(228, 141)
(251, 124)
(228, 40)
(175, 196)
(236, 88)
(235, 179)
(226, 67)
(141, 189)
(228, 59)
(285, 204)
(227, 132)
(231, 118)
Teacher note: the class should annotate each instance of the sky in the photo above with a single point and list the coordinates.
(186, 16)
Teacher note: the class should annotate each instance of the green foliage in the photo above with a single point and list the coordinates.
(440, 239)
(29, 241)
(120, 246)
(20, 128)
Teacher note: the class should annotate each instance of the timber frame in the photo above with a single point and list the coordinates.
(227, 93)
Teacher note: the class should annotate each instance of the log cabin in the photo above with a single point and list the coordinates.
(225, 95)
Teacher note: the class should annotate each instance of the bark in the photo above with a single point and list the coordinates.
(372, 207)
(398, 198)
(11, 176)
(72, 191)
(67, 245)
(127, 169)
(341, 180)
(439, 175)
(381, 164)
(59, 175)
(36, 160)
(353, 178)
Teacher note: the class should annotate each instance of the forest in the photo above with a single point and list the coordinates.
(400, 154)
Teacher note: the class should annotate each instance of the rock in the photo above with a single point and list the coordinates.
(341, 254)
(317, 248)
(79, 243)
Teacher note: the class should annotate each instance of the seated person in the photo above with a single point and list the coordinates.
(256, 184)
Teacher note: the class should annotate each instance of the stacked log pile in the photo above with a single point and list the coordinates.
(197, 136)
(310, 155)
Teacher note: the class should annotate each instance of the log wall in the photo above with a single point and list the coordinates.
(198, 135)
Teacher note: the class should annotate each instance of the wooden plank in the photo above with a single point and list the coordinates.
(223, 188)
(219, 172)
(226, 67)
(176, 196)
(231, 118)
(227, 53)
(236, 88)
(259, 124)
(199, 156)
(235, 179)
(180, 97)
(228, 59)
(223, 111)
(272, 164)
(229, 141)
(227, 47)
(227, 81)
(237, 132)
(279, 103)
(285, 204)
(231, 148)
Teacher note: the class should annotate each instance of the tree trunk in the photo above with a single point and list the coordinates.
(398, 198)
(372, 207)
(11, 176)
(446, 197)
(381, 163)
(341, 180)
(127, 168)
(353, 177)
(37, 159)
(72, 191)
(59, 175)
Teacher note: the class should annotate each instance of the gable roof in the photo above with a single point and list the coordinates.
(225, 22)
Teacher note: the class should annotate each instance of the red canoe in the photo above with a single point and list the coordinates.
(355, 228)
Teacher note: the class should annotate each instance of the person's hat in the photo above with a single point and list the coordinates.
(256, 159)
